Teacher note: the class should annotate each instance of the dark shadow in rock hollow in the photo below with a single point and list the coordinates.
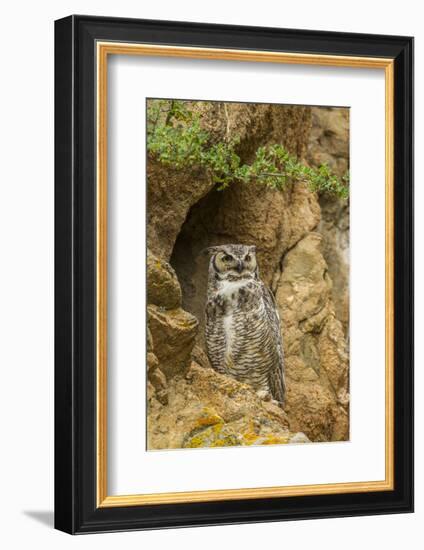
(188, 257)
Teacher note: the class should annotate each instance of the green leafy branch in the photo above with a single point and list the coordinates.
(175, 137)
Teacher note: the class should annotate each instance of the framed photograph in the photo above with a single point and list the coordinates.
(234, 274)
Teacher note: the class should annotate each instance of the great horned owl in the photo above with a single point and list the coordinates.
(243, 335)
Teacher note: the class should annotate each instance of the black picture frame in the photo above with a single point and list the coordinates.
(76, 510)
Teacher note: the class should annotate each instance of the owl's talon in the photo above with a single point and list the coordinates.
(264, 395)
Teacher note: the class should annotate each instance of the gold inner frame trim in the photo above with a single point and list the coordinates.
(104, 49)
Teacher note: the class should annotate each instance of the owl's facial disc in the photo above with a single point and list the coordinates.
(236, 264)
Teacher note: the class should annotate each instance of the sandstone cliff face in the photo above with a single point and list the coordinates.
(314, 344)
(190, 405)
(329, 142)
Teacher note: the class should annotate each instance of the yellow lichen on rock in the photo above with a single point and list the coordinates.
(209, 409)
(208, 417)
(218, 435)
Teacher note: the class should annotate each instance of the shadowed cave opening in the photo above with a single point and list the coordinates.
(189, 258)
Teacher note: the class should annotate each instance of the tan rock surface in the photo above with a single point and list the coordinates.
(208, 409)
(173, 333)
(329, 143)
(163, 288)
(314, 345)
(257, 125)
(156, 381)
(170, 194)
(329, 138)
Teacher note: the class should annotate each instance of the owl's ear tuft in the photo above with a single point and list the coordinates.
(210, 250)
(252, 248)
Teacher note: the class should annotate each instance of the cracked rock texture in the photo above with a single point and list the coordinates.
(314, 344)
(302, 241)
(329, 142)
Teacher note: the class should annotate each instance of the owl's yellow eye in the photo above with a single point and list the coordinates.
(227, 258)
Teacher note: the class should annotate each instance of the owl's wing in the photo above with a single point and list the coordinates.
(276, 380)
(215, 336)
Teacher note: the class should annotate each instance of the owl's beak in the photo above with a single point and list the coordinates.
(239, 266)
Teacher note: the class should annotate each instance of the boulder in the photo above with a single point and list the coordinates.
(173, 332)
(163, 288)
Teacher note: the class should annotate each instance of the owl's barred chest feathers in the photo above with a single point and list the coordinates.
(243, 336)
(235, 297)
